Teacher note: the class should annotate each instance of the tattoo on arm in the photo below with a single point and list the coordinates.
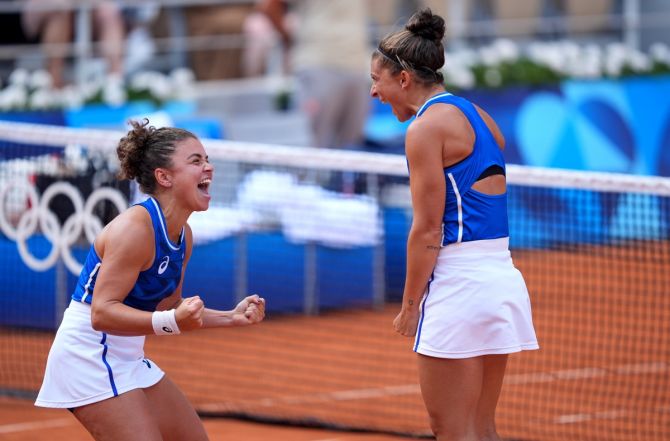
(411, 302)
(432, 247)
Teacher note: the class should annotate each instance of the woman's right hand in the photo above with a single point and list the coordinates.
(407, 322)
(189, 313)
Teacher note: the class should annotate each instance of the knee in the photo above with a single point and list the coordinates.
(444, 429)
(487, 433)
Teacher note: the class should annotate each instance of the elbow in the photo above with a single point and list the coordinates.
(98, 319)
(428, 232)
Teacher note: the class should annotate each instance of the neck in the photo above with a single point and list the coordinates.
(175, 216)
(424, 95)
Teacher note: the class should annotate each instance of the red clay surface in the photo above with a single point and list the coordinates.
(603, 372)
(21, 421)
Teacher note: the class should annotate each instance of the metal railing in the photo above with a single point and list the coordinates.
(461, 30)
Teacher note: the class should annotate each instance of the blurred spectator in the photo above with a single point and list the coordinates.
(213, 21)
(261, 38)
(55, 26)
(140, 47)
(330, 56)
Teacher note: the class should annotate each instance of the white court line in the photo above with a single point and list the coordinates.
(35, 425)
(642, 368)
(586, 373)
(341, 395)
(602, 415)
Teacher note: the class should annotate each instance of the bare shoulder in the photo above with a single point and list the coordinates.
(449, 122)
(424, 142)
(493, 127)
(134, 221)
(124, 232)
(445, 127)
(436, 124)
(445, 115)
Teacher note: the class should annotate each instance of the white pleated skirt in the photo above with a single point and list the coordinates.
(475, 304)
(86, 366)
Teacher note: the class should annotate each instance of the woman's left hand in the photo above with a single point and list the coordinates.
(249, 311)
(406, 322)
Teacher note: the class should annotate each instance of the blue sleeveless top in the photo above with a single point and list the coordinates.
(153, 284)
(468, 214)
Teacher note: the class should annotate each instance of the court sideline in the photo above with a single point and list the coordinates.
(21, 421)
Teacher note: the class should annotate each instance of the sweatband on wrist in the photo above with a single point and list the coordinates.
(165, 323)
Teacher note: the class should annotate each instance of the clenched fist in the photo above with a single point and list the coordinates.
(249, 311)
(189, 313)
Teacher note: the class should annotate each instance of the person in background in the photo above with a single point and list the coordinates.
(329, 56)
(464, 301)
(263, 44)
(208, 22)
(130, 287)
(52, 23)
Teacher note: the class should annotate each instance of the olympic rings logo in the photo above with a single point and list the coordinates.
(62, 237)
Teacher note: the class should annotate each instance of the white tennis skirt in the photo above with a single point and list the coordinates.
(86, 366)
(475, 304)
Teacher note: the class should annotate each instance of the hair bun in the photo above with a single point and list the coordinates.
(426, 25)
(131, 148)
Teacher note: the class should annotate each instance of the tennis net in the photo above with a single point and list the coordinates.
(321, 235)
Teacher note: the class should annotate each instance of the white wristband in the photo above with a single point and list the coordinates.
(165, 323)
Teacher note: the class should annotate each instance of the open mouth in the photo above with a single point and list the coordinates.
(204, 185)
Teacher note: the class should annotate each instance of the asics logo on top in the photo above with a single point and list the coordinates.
(164, 264)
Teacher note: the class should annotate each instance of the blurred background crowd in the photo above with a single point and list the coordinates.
(297, 71)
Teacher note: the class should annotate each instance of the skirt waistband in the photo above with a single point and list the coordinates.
(475, 248)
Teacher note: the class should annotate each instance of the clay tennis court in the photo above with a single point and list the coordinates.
(602, 316)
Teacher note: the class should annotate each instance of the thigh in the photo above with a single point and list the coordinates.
(126, 417)
(176, 417)
(451, 389)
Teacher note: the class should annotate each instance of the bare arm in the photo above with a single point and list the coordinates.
(249, 311)
(427, 185)
(274, 10)
(122, 261)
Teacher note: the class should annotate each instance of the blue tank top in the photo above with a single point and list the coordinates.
(468, 214)
(153, 284)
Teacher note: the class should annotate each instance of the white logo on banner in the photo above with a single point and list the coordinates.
(61, 236)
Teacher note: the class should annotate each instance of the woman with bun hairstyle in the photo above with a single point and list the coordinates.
(464, 302)
(131, 286)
